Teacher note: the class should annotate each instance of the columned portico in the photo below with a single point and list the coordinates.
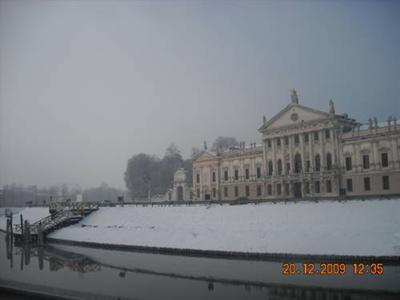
(291, 126)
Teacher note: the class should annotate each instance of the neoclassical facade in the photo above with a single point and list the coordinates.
(305, 153)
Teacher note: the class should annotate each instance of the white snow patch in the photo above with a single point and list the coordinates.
(342, 228)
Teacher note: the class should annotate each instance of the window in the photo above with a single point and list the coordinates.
(236, 191)
(278, 142)
(279, 167)
(308, 166)
(198, 193)
(287, 168)
(269, 188)
(226, 175)
(258, 190)
(328, 186)
(225, 191)
(269, 143)
(385, 182)
(287, 191)
(316, 136)
(317, 163)
(306, 137)
(213, 176)
(384, 159)
(214, 193)
(279, 189)
(258, 172)
(349, 165)
(317, 188)
(198, 178)
(327, 134)
(307, 187)
(366, 161)
(286, 140)
(297, 163)
(349, 184)
(296, 139)
(329, 161)
(270, 168)
(236, 174)
(247, 174)
(367, 184)
(247, 191)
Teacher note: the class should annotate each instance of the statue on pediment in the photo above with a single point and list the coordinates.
(375, 122)
(369, 123)
(331, 107)
(294, 97)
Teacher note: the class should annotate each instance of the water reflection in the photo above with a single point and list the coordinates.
(58, 259)
(117, 274)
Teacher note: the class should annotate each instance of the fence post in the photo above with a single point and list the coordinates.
(27, 232)
(8, 226)
(11, 227)
(40, 234)
(22, 225)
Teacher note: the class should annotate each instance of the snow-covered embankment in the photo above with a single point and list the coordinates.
(331, 228)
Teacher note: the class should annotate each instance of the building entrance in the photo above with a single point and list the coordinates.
(297, 190)
(179, 192)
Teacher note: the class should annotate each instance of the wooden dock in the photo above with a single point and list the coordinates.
(61, 215)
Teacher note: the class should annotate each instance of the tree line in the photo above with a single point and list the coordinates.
(148, 175)
(19, 195)
(145, 176)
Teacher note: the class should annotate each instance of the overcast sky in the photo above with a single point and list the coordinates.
(84, 85)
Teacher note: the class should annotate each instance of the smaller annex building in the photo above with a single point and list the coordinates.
(180, 191)
(305, 153)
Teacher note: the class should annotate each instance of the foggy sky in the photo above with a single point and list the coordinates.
(84, 85)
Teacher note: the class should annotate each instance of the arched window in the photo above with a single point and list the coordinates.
(297, 163)
(329, 161)
(270, 168)
(279, 167)
(317, 163)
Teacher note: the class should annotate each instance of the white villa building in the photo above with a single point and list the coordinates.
(305, 153)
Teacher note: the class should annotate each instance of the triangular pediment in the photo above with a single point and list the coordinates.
(204, 155)
(294, 114)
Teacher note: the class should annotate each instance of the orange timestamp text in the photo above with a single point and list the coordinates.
(290, 269)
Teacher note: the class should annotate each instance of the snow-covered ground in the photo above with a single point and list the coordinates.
(346, 228)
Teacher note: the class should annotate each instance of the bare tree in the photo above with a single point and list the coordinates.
(148, 175)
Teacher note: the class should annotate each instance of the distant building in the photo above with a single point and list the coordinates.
(305, 153)
(14, 195)
(180, 190)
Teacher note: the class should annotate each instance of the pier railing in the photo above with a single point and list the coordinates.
(61, 215)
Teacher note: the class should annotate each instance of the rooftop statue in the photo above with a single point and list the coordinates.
(331, 107)
(294, 97)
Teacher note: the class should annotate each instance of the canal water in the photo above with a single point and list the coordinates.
(91, 273)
